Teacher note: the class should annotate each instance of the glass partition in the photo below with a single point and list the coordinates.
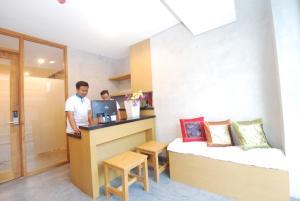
(44, 97)
(10, 155)
(9, 43)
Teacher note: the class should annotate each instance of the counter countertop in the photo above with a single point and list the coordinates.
(123, 121)
(142, 108)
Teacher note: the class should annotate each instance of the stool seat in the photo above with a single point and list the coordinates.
(153, 146)
(126, 160)
(153, 149)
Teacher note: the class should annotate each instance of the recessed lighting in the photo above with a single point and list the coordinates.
(41, 61)
(51, 62)
(26, 73)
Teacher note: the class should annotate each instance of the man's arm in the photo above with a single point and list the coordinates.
(72, 122)
(90, 117)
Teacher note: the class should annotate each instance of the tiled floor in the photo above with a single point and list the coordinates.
(55, 185)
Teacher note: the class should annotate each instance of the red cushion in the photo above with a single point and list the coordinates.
(192, 129)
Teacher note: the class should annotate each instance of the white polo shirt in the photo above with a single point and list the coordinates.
(80, 107)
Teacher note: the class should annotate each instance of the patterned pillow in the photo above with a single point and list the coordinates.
(192, 129)
(251, 134)
(218, 133)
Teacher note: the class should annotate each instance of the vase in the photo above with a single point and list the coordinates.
(132, 108)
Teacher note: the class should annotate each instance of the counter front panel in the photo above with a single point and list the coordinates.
(100, 142)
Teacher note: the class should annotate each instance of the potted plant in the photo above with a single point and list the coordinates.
(133, 104)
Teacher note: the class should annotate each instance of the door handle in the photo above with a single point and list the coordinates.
(15, 118)
(15, 123)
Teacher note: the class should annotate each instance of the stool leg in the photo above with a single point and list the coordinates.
(125, 186)
(139, 167)
(146, 184)
(156, 168)
(106, 181)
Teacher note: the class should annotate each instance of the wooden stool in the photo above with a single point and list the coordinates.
(125, 162)
(153, 149)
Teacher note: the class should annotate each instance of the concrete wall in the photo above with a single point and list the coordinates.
(286, 17)
(122, 67)
(229, 72)
(91, 68)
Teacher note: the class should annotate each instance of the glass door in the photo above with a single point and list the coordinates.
(10, 154)
(44, 98)
(32, 96)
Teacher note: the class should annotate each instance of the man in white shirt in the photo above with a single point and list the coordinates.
(105, 96)
(78, 109)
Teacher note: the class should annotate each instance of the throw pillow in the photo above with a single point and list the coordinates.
(218, 134)
(251, 134)
(192, 129)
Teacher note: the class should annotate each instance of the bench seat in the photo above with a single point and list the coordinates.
(257, 174)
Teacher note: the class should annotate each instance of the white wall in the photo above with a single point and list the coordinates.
(91, 68)
(122, 67)
(286, 17)
(228, 72)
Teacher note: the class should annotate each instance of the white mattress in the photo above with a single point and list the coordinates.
(260, 157)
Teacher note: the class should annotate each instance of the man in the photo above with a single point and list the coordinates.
(78, 109)
(105, 96)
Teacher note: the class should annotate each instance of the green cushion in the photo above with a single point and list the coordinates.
(251, 134)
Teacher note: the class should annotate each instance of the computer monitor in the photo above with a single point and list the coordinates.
(104, 108)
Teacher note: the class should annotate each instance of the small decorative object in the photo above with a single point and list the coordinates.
(133, 104)
(218, 134)
(192, 129)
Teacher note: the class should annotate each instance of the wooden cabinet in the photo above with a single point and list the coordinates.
(140, 65)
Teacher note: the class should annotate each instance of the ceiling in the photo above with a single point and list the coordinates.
(105, 27)
(200, 16)
(109, 27)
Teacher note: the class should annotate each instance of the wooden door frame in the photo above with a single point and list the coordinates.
(24, 37)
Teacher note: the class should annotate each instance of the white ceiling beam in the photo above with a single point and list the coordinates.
(200, 16)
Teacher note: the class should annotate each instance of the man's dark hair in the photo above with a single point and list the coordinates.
(104, 92)
(81, 84)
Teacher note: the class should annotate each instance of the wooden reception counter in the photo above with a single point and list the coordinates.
(102, 141)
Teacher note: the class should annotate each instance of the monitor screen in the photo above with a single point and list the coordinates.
(100, 107)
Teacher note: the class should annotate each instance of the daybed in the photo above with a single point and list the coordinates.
(253, 175)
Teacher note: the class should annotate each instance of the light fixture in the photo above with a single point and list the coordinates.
(41, 60)
(26, 73)
(61, 1)
(51, 62)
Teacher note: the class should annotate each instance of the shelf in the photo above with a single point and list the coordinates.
(120, 77)
(121, 93)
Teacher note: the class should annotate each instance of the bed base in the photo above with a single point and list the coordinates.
(236, 181)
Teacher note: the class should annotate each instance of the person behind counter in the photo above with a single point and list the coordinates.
(78, 109)
(105, 96)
